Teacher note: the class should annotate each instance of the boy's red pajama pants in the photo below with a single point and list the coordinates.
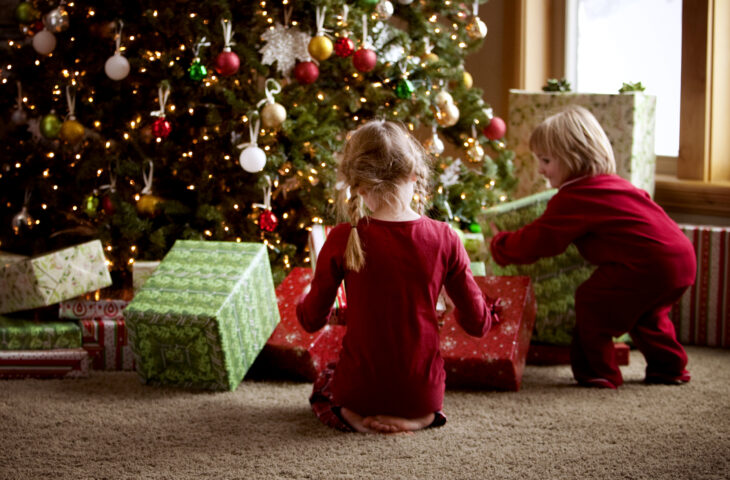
(612, 302)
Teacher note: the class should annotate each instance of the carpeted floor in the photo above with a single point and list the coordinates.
(111, 426)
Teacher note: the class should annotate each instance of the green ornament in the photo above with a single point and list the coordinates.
(91, 205)
(50, 125)
(25, 12)
(197, 71)
(475, 228)
(404, 90)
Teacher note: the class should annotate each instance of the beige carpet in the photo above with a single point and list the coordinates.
(111, 426)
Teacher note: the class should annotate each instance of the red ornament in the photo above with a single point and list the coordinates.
(364, 60)
(496, 129)
(161, 128)
(268, 221)
(227, 63)
(306, 72)
(344, 47)
(107, 205)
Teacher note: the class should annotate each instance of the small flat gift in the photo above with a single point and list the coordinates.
(28, 334)
(204, 316)
(497, 360)
(291, 351)
(48, 279)
(79, 308)
(57, 363)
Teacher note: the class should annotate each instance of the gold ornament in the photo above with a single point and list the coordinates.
(443, 98)
(273, 115)
(320, 47)
(434, 145)
(467, 79)
(476, 29)
(447, 115)
(429, 58)
(148, 204)
(71, 131)
(475, 153)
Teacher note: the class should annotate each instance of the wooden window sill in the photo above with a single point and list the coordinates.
(692, 197)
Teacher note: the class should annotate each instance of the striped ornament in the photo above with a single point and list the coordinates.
(702, 316)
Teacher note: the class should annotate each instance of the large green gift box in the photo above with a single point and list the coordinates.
(554, 279)
(204, 315)
(26, 334)
(627, 118)
(27, 283)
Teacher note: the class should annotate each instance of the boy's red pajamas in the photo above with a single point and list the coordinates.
(644, 262)
(390, 362)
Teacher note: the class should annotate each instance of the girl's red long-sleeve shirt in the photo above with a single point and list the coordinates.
(390, 361)
(613, 224)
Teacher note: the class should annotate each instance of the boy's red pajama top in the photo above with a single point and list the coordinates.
(390, 361)
(614, 225)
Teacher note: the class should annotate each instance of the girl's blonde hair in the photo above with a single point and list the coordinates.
(574, 137)
(378, 157)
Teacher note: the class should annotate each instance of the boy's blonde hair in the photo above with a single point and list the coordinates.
(378, 157)
(574, 137)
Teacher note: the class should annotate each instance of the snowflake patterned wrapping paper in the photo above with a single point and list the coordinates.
(702, 315)
(291, 351)
(496, 360)
(51, 278)
(25, 334)
(627, 118)
(554, 279)
(60, 363)
(204, 316)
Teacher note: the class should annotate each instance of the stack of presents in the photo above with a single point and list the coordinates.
(208, 313)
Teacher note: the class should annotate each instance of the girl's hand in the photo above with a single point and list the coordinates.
(493, 228)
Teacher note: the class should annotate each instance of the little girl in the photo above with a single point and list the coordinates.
(645, 262)
(390, 375)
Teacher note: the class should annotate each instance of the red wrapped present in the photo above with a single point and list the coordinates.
(702, 315)
(59, 363)
(497, 360)
(81, 308)
(290, 350)
(107, 343)
(544, 354)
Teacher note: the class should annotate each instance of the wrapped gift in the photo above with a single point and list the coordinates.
(497, 360)
(478, 269)
(702, 316)
(545, 354)
(26, 334)
(627, 118)
(107, 342)
(317, 236)
(291, 351)
(554, 279)
(141, 271)
(48, 279)
(102, 309)
(474, 245)
(60, 363)
(204, 316)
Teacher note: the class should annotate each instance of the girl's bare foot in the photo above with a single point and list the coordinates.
(391, 424)
(355, 420)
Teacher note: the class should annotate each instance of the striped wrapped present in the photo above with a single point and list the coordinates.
(702, 316)
(317, 237)
(56, 363)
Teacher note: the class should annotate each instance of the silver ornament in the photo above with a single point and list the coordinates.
(21, 220)
(476, 28)
(384, 9)
(56, 20)
(434, 145)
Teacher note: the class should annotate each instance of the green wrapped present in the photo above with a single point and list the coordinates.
(24, 334)
(478, 269)
(204, 316)
(44, 280)
(554, 279)
(627, 118)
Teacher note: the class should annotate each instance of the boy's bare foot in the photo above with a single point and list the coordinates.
(391, 424)
(355, 420)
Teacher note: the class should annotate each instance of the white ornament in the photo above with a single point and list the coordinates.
(116, 67)
(434, 146)
(284, 46)
(405, 2)
(44, 42)
(384, 9)
(252, 159)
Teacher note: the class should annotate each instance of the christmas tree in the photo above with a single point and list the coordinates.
(142, 122)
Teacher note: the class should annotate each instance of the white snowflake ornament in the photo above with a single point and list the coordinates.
(284, 45)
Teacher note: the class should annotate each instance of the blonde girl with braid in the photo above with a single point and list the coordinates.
(394, 261)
